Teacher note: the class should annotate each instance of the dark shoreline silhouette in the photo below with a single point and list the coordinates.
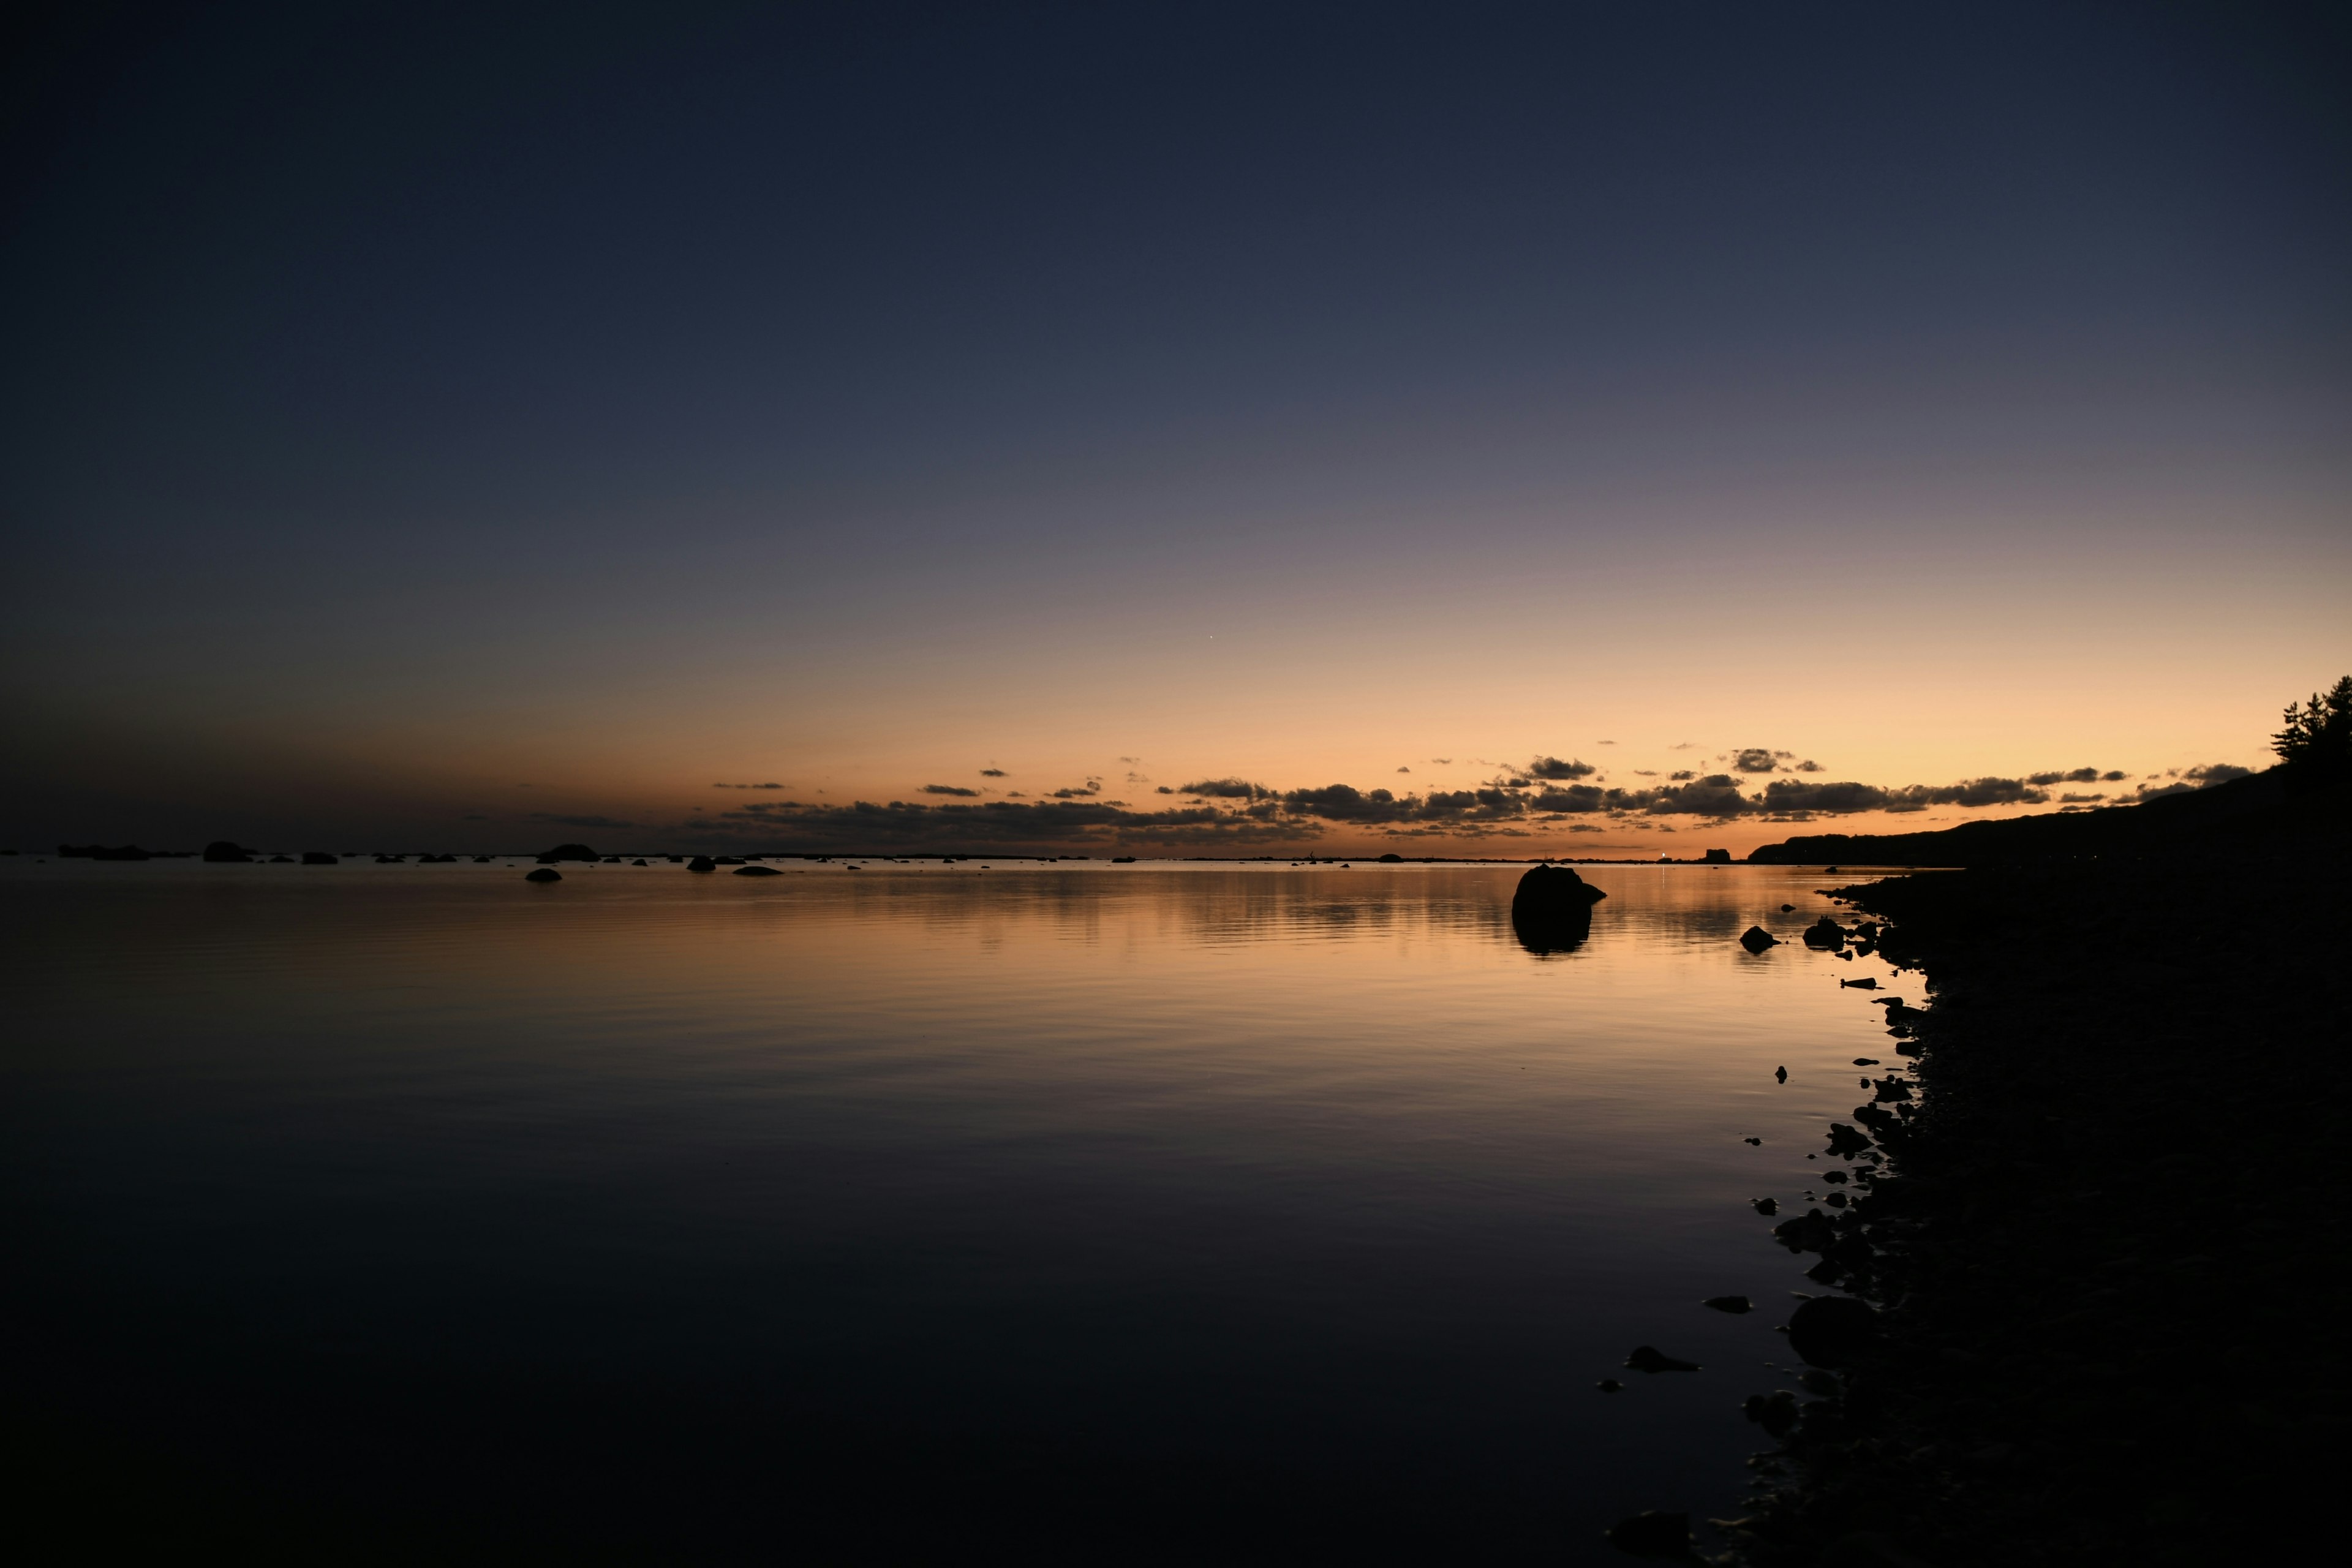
(2100, 1243)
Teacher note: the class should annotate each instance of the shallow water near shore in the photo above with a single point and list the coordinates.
(419, 1194)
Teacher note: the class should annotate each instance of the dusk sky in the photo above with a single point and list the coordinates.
(474, 427)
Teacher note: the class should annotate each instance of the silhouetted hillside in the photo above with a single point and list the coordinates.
(2273, 811)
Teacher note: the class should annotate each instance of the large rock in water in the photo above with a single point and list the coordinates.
(568, 852)
(1549, 891)
(1552, 909)
(221, 851)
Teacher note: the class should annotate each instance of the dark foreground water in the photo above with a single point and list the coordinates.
(1108, 1212)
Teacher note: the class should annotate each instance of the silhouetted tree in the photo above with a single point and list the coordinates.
(2318, 734)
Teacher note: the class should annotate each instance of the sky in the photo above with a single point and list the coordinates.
(464, 428)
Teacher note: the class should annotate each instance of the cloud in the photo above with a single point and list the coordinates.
(1226, 789)
(1443, 761)
(1345, 803)
(746, 786)
(1092, 786)
(1164, 789)
(1756, 760)
(2115, 777)
(1645, 773)
(1684, 746)
(1553, 768)
(2204, 776)
(1716, 795)
(1574, 798)
(1682, 773)
(1404, 770)
(2072, 775)
(993, 773)
(563, 821)
(2079, 799)
(1787, 795)
(1807, 766)
(1987, 791)
(916, 825)
(951, 789)
(1604, 742)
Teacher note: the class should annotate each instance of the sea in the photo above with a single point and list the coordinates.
(993, 1209)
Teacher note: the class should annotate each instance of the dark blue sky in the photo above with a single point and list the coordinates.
(342, 337)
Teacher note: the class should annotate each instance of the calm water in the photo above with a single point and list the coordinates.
(1143, 1213)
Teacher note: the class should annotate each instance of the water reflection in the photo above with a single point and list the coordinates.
(1322, 1197)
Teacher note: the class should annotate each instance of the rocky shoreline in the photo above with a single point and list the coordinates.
(2103, 1240)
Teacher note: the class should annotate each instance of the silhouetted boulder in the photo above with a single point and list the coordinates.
(100, 852)
(729, 861)
(1392, 859)
(567, 852)
(1825, 933)
(757, 871)
(1551, 910)
(702, 863)
(1549, 890)
(320, 857)
(1729, 1303)
(222, 852)
(544, 874)
(1649, 1358)
(1832, 1331)
(1756, 938)
(637, 862)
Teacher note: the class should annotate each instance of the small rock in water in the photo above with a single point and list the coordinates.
(702, 863)
(1653, 1535)
(1867, 983)
(1780, 1073)
(1845, 1139)
(1756, 938)
(1649, 1358)
(637, 862)
(1729, 1303)
(1757, 1140)
(762, 871)
(1787, 908)
(1865, 1061)
(544, 874)
(1825, 933)
(1766, 1205)
(1609, 1385)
